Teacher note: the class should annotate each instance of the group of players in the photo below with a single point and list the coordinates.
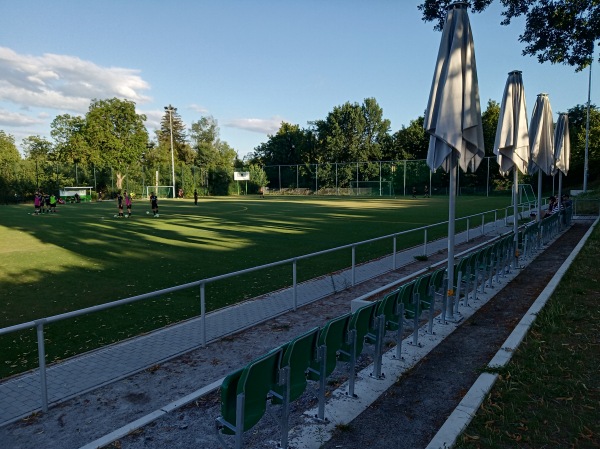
(125, 199)
(44, 203)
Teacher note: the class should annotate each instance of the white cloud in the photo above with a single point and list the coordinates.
(64, 82)
(263, 126)
(8, 118)
(197, 108)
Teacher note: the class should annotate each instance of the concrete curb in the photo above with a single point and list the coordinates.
(460, 418)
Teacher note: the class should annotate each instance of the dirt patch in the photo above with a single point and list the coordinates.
(415, 408)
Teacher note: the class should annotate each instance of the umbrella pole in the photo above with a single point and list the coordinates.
(539, 211)
(559, 190)
(451, 227)
(515, 212)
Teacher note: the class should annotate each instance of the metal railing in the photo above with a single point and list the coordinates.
(476, 229)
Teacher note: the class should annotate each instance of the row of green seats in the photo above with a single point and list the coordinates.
(281, 376)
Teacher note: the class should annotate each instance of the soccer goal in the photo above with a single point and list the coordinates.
(526, 194)
(159, 191)
(371, 188)
(71, 193)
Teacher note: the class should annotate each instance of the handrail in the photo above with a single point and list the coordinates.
(131, 299)
(40, 323)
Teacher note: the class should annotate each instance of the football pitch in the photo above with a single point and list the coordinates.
(83, 256)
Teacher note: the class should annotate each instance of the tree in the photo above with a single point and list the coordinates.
(8, 150)
(70, 142)
(291, 145)
(489, 120)
(577, 125)
(182, 150)
(352, 132)
(116, 133)
(411, 142)
(258, 176)
(9, 158)
(204, 136)
(557, 31)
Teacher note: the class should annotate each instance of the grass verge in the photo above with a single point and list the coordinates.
(549, 394)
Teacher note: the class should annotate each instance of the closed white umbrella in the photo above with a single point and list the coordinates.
(541, 143)
(562, 150)
(453, 115)
(511, 146)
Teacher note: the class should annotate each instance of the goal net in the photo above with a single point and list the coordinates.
(160, 191)
(371, 188)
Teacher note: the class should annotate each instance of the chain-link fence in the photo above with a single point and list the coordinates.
(20, 180)
(381, 178)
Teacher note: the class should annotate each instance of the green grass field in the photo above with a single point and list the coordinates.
(83, 256)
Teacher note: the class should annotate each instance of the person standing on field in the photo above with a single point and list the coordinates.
(195, 197)
(53, 203)
(128, 203)
(154, 204)
(120, 204)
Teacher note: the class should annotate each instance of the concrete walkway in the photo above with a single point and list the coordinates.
(21, 396)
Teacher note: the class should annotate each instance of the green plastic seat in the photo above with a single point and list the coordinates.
(252, 386)
(437, 279)
(332, 337)
(421, 289)
(360, 325)
(298, 356)
(405, 297)
(361, 322)
(387, 308)
(229, 399)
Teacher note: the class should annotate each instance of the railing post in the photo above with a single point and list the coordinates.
(425, 242)
(468, 225)
(39, 325)
(353, 265)
(203, 311)
(294, 281)
(482, 224)
(506, 216)
(496, 220)
(394, 253)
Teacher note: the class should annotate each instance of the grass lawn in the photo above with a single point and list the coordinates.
(83, 256)
(548, 396)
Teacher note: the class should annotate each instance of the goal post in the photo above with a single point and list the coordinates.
(160, 191)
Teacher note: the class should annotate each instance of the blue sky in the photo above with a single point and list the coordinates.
(249, 64)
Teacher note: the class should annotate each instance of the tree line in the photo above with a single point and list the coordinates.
(112, 136)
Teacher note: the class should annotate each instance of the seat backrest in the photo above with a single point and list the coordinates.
(299, 354)
(229, 399)
(332, 335)
(437, 279)
(461, 267)
(422, 286)
(361, 321)
(405, 296)
(258, 378)
(387, 308)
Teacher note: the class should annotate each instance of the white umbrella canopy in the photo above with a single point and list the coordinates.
(562, 144)
(562, 150)
(511, 145)
(453, 115)
(541, 143)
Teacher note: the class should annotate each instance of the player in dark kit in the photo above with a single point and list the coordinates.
(154, 204)
(120, 204)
